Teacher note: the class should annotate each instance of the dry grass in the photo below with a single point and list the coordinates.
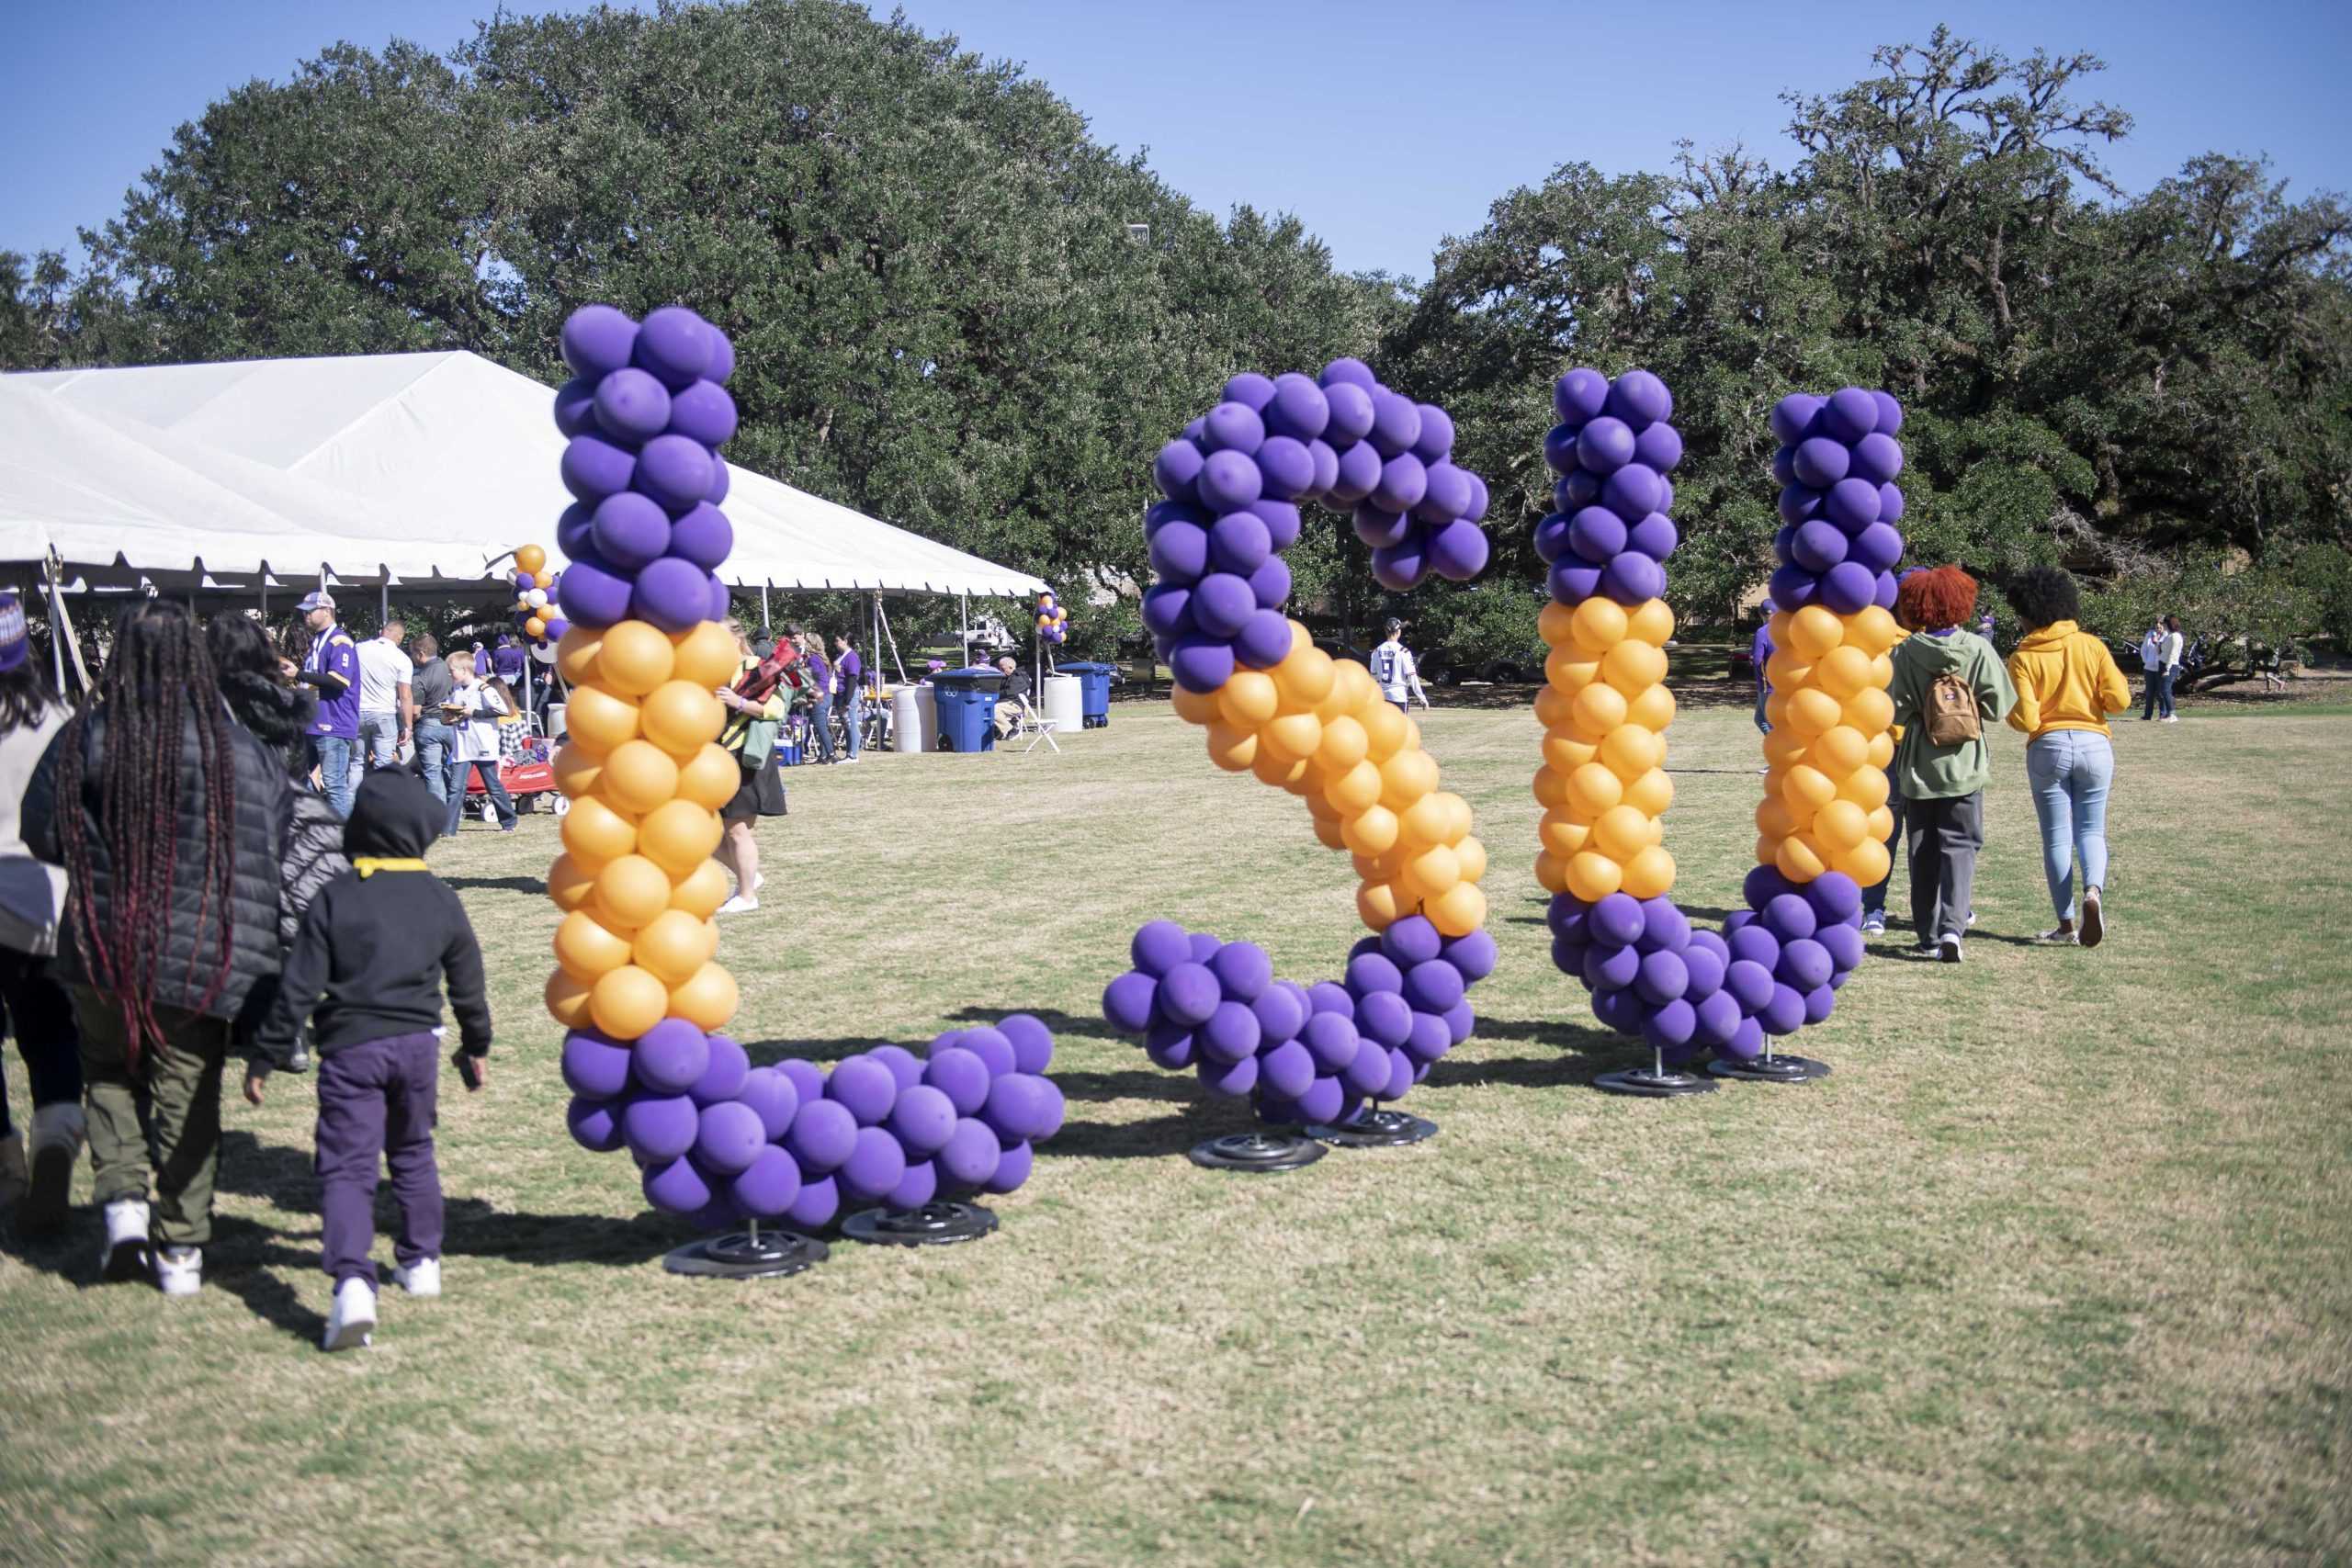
(2055, 1267)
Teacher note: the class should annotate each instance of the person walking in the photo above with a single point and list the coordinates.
(755, 703)
(820, 686)
(1760, 650)
(848, 675)
(1394, 670)
(171, 820)
(1947, 685)
(35, 1164)
(477, 704)
(2168, 675)
(331, 666)
(384, 672)
(2068, 683)
(366, 973)
(430, 689)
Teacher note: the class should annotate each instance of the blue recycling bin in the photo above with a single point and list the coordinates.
(1093, 690)
(967, 703)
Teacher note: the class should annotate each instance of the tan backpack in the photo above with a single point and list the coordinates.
(1952, 714)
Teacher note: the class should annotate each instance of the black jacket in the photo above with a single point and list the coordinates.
(257, 833)
(279, 715)
(374, 948)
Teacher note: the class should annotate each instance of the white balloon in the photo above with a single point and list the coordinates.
(537, 597)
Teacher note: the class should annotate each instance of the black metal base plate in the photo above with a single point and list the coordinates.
(1381, 1129)
(1649, 1084)
(739, 1256)
(1769, 1070)
(933, 1225)
(1263, 1151)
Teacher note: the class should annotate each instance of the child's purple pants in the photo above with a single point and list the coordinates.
(378, 1099)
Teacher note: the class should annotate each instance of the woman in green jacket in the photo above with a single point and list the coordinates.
(1950, 689)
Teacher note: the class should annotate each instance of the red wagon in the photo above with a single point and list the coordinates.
(527, 776)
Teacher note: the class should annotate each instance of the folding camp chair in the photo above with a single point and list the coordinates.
(1035, 725)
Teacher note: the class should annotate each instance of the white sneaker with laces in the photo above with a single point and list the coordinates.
(2172, 718)
(422, 1277)
(1948, 949)
(124, 1256)
(179, 1271)
(737, 906)
(351, 1321)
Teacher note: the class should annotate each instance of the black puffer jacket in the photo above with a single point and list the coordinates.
(264, 803)
(279, 715)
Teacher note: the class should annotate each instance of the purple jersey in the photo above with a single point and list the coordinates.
(332, 654)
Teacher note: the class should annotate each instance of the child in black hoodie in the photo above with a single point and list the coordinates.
(366, 971)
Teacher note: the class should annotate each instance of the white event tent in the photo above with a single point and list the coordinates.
(418, 471)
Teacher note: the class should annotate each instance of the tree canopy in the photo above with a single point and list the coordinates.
(956, 310)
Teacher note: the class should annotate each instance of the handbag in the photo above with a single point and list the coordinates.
(759, 741)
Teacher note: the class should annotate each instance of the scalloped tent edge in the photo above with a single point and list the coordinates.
(412, 471)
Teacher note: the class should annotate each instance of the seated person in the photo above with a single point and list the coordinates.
(1015, 686)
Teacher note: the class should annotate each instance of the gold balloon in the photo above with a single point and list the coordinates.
(702, 891)
(1621, 833)
(630, 891)
(706, 655)
(1459, 911)
(1372, 831)
(575, 654)
(682, 717)
(595, 833)
(578, 770)
(638, 775)
(1247, 699)
(586, 949)
(1195, 708)
(597, 721)
(671, 947)
(1294, 735)
(1230, 748)
(1653, 622)
(676, 836)
(1355, 790)
(567, 1000)
(1653, 709)
(1650, 874)
(1597, 624)
(1651, 794)
(710, 777)
(636, 658)
(1592, 875)
(1379, 905)
(531, 559)
(1384, 728)
(1813, 631)
(627, 1001)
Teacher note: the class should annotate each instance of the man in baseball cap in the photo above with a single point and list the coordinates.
(333, 667)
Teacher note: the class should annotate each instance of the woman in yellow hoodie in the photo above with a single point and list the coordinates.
(2068, 683)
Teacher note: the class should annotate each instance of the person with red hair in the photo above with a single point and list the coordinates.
(1949, 689)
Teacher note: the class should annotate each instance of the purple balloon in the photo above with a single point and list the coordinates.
(1655, 536)
(1270, 584)
(1264, 642)
(1851, 503)
(876, 1164)
(1331, 1039)
(1359, 471)
(704, 414)
(1658, 448)
(593, 1067)
(1848, 586)
(597, 340)
(1248, 389)
(819, 1202)
(921, 1119)
(722, 1078)
(1230, 1032)
(1605, 445)
(806, 1081)
(1285, 468)
(1179, 551)
(1188, 994)
(1234, 427)
(672, 1057)
(729, 1137)
(628, 529)
(1792, 587)
(1023, 1108)
(1177, 469)
(1281, 518)
(1158, 946)
(1579, 395)
(1618, 921)
(716, 493)
(1671, 1026)
(1572, 584)
(675, 344)
(1850, 415)
(1222, 603)
(1458, 551)
(969, 1157)
(1433, 985)
(1280, 1011)
(1755, 944)
(703, 536)
(962, 1076)
(1396, 424)
(1436, 439)
(1884, 597)
(674, 471)
(1242, 970)
(1798, 504)
(772, 1099)
(1445, 494)
(1551, 538)
(593, 467)
(1890, 504)
(1368, 1073)
(822, 1135)
(1783, 1013)
(575, 406)
(1380, 529)
(1633, 579)
(1821, 462)
(1230, 481)
(1749, 983)
(1326, 466)
(1298, 408)
(1631, 492)
(1890, 414)
(1353, 371)
(1805, 964)
(1611, 969)
(671, 594)
(1597, 535)
(659, 1128)
(1876, 549)
(1287, 1070)
(863, 1087)
(632, 407)
(676, 1187)
(1012, 1167)
(1403, 483)
(768, 1185)
(1352, 412)
(1238, 542)
(1639, 398)
(1793, 415)
(905, 1070)
(1473, 954)
(1032, 1043)
(1818, 545)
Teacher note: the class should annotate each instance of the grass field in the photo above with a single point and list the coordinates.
(2057, 1267)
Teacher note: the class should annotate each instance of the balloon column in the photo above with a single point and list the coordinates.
(535, 612)
(1053, 620)
(1778, 965)
(636, 982)
(1275, 705)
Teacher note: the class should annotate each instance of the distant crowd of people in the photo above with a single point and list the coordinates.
(2057, 688)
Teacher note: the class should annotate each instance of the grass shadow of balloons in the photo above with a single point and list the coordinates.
(1162, 1137)
(1091, 1026)
(1584, 1054)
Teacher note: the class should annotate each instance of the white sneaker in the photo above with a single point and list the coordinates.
(2058, 936)
(2093, 918)
(124, 1256)
(1948, 949)
(179, 1271)
(2172, 718)
(737, 906)
(351, 1321)
(56, 1142)
(422, 1277)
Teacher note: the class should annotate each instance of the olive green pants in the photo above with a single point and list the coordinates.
(162, 1121)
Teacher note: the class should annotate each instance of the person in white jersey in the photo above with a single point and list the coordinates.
(385, 671)
(1393, 668)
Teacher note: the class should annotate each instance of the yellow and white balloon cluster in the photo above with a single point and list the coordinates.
(1604, 709)
(1320, 727)
(1825, 793)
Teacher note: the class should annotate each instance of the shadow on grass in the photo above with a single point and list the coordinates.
(768, 1053)
(496, 884)
(1092, 1026)
(1163, 1137)
(1141, 1083)
(1585, 1054)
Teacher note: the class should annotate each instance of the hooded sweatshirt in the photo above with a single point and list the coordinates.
(2066, 679)
(1923, 770)
(378, 941)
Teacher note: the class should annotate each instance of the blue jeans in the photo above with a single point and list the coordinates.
(436, 755)
(334, 753)
(380, 735)
(820, 721)
(1763, 692)
(491, 784)
(1874, 896)
(853, 707)
(2071, 771)
(2159, 702)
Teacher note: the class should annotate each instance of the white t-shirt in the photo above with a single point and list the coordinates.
(2171, 651)
(477, 735)
(1393, 668)
(384, 667)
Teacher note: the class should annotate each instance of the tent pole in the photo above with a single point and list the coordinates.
(764, 621)
(56, 629)
(965, 600)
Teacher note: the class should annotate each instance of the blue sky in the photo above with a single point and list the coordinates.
(1385, 125)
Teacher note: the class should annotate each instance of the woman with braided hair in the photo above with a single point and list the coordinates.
(169, 818)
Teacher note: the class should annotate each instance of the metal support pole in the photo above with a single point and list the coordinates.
(965, 613)
(764, 621)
